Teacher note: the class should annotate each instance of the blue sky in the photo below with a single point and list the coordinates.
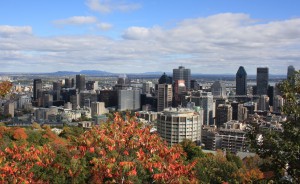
(208, 36)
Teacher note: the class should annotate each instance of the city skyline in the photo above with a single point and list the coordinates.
(138, 36)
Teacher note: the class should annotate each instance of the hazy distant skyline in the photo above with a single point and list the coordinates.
(134, 36)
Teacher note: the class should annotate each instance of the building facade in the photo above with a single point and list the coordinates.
(183, 74)
(176, 124)
(164, 96)
(262, 81)
(241, 81)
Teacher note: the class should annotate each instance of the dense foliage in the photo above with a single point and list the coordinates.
(282, 148)
(118, 152)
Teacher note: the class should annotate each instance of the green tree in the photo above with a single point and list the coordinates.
(192, 150)
(282, 148)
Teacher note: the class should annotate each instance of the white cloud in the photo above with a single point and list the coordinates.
(104, 26)
(214, 44)
(108, 6)
(76, 20)
(7, 30)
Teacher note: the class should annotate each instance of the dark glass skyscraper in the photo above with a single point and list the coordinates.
(241, 81)
(80, 82)
(290, 72)
(262, 81)
(183, 74)
(37, 86)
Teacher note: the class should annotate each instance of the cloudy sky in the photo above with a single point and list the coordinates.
(125, 36)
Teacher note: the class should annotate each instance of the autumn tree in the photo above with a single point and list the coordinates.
(5, 88)
(282, 148)
(123, 152)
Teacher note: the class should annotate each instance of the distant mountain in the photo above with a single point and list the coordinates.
(84, 72)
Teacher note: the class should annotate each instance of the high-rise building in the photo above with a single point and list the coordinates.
(263, 103)
(147, 87)
(205, 101)
(290, 72)
(92, 85)
(183, 74)
(80, 82)
(75, 101)
(68, 83)
(177, 124)
(241, 81)
(98, 108)
(262, 81)
(164, 79)
(223, 114)
(242, 112)
(278, 103)
(37, 86)
(129, 100)
(164, 96)
(218, 89)
(9, 109)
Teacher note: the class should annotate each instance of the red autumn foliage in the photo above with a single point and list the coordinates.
(16, 163)
(122, 150)
(19, 134)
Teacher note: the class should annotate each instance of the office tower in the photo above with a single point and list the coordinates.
(242, 112)
(80, 82)
(68, 83)
(235, 110)
(164, 79)
(263, 103)
(241, 81)
(290, 72)
(218, 89)
(9, 109)
(37, 86)
(179, 89)
(147, 87)
(109, 97)
(177, 124)
(164, 96)
(251, 107)
(47, 100)
(183, 74)
(123, 79)
(98, 108)
(271, 92)
(262, 81)
(195, 85)
(129, 100)
(56, 90)
(223, 114)
(92, 85)
(87, 97)
(278, 104)
(75, 101)
(204, 100)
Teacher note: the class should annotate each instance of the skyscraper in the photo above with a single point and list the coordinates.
(37, 86)
(223, 114)
(205, 101)
(262, 81)
(241, 81)
(183, 74)
(164, 96)
(80, 82)
(290, 72)
(129, 99)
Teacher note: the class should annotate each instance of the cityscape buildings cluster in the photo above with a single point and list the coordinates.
(214, 114)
